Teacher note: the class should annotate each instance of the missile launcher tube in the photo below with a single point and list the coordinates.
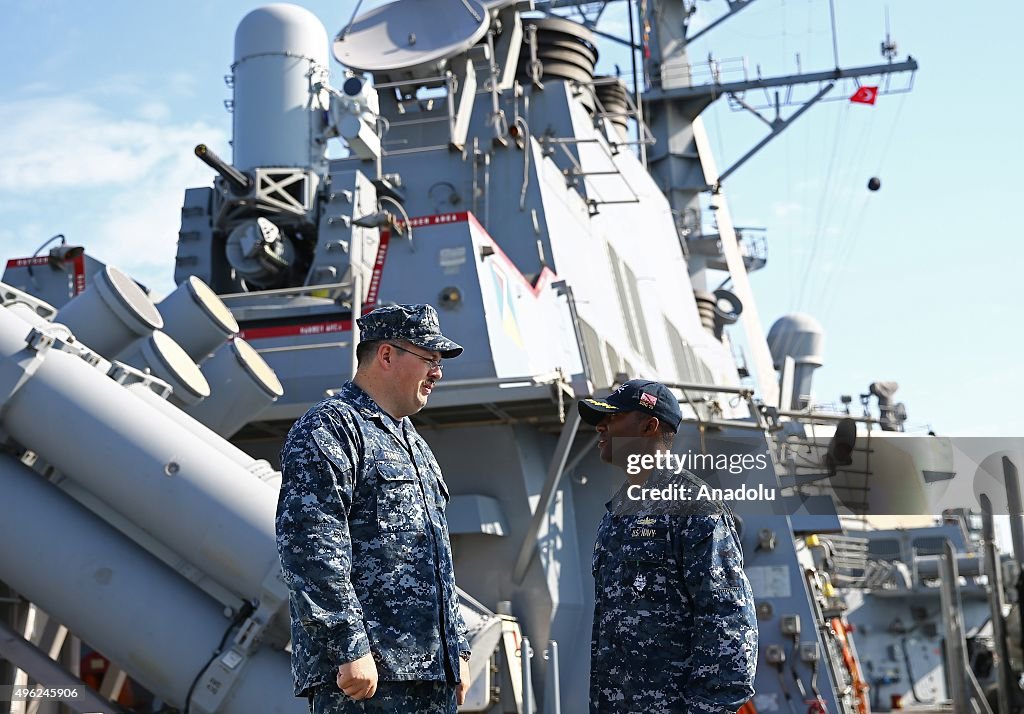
(161, 356)
(206, 434)
(111, 313)
(197, 319)
(121, 600)
(198, 429)
(246, 386)
(184, 492)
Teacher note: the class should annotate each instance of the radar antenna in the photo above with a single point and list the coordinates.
(888, 46)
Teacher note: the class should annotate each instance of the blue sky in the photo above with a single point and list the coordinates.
(101, 104)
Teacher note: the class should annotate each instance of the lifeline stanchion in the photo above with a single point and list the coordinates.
(525, 655)
(551, 655)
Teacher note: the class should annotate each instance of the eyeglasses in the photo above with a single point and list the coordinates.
(433, 363)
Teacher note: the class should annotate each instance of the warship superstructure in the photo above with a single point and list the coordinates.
(571, 229)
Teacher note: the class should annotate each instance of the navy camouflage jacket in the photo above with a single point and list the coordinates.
(674, 624)
(364, 546)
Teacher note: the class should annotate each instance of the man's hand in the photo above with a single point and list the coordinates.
(460, 693)
(358, 679)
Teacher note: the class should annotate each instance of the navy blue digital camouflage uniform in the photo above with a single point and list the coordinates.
(364, 544)
(674, 629)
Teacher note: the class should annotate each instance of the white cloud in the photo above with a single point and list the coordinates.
(62, 142)
(110, 182)
(154, 111)
(181, 83)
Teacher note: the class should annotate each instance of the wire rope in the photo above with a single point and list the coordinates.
(865, 211)
(851, 172)
(820, 214)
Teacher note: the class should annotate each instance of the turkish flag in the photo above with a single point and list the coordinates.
(865, 95)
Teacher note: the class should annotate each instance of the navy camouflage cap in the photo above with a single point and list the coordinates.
(416, 324)
(636, 395)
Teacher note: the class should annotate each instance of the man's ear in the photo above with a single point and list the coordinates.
(651, 426)
(385, 352)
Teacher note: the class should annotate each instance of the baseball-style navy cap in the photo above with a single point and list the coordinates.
(636, 395)
(416, 324)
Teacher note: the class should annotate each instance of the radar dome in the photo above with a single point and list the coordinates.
(281, 57)
(281, 28)
(799, 336)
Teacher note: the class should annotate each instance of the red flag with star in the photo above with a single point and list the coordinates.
(865, 95)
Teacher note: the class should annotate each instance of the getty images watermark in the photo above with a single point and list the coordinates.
(669, 462)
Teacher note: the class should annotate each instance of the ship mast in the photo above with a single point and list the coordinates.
(681, 159)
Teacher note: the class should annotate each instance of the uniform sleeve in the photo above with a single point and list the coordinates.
(313, 538)
(595, 632)
(460, 627)
(724, 654)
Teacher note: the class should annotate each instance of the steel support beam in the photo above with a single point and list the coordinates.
(993, 569)
(717, 90)
(40, 668)
(778, 127)
(952, 619)
(964, 689)
(547, 494)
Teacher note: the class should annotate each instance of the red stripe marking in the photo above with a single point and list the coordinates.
(25, 262)
(378, 268)
(78, 271)
(419, 221)
(301, 330)
(546, 274)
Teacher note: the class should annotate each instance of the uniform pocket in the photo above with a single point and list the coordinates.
(648, 572)
(399, 506)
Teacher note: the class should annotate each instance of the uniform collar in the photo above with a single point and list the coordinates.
(621, 505)
(369, 409)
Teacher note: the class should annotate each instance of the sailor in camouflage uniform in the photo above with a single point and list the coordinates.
(674, 624)
(362, 535)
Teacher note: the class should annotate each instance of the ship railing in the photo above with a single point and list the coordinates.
(576, 170)
(887, 83)
(296, 291)
(707, 396)
(802, 462)
(448, 82)
(352, 288)
(848, 561)
(733, 78)
(714, 71)
(706, 241)
(753, 246)
(543, 398)
(813, 416)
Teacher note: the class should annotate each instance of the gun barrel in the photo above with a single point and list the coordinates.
(239, 182)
